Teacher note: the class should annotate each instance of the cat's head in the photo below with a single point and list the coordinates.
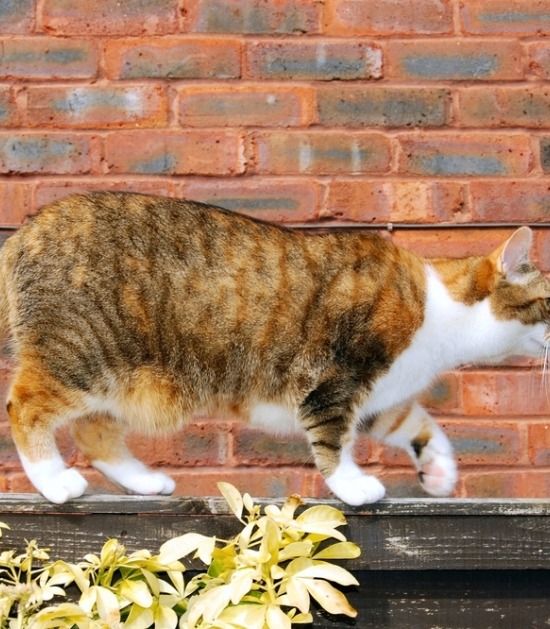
(519, 293)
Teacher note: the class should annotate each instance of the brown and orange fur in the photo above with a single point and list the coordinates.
(134, 312)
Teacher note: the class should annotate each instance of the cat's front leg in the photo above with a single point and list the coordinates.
(415, 430)
(330, 423)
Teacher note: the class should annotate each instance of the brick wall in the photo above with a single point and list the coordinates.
(373, 111)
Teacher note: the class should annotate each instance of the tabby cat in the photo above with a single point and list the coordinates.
(134, 312)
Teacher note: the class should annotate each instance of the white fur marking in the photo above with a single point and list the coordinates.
(135, 477)
(274, 418)
(56, 482)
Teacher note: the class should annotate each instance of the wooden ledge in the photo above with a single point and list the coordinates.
(399, 534)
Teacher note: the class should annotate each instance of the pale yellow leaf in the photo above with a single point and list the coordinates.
(139, 618)
(248, 616)
(302, 619)
(137, 592)
(297, 595)
(295, 549)
(328, 571)
(107, 605)
(165, 618)
(330, 599)
(276, 618)
(179, 547)
(232, 497)
(340, 550)
(241, 584)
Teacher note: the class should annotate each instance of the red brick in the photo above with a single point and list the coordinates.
(454, 60)
(17, 16)
(444, 395)
(174, 153)
(388, 17)
(451, 243)
(540, 252)
(324, 153)
(198, 444)
(517, 106)
(245, 105)
(515, 201)
(173, 58)
(48, 58)
(486, 443)
(465, 154)
(539, 60)
(45, 153)
(379, 106)
(104, 17)
(49, 191)
(15, 206)
(9, 112)
(257, 448)
(277, 200)
(323, 60)
(506, 17)
(394, 201)
(93, 106)
(504, 393)
(539, 444)
(507, 484)
(251, 16)
(267, 482)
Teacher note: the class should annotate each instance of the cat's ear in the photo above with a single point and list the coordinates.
(511, 258)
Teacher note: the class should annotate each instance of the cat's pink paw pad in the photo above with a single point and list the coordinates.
(438, 475)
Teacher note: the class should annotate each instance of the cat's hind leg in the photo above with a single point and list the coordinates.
(414, 430)
(37, 405)
(102, 439)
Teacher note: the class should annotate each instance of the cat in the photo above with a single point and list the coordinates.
(134, 312)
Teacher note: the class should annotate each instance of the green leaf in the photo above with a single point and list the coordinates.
(233, 498)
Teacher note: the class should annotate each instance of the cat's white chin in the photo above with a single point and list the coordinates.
(352, 486)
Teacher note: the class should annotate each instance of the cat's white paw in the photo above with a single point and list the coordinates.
(136, 478)
(355, 488)
(54, 480)
(437, 470)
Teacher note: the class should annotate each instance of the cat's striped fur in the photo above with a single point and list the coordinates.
(133, 312)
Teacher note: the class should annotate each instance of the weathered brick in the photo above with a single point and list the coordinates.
(173, 58)
(17, 16)
(486, 444)
(268, 482)
(104, 17)
(383, 106)
(539, 60)
(465, 154)
(174, 153)
(257, 448)
(95, 106)
(9, 113)
(245, 105)
(15, 206)
(539, 444)
(505, 393)
(323, 60)
(44, 153)
(394, 201)
(330, 152)
(507, 484)
(540, 253)
(545, 154)
(251, 16)
(454, 60)
(505, 107)
(198, 444)
(48, 58)
(444, 395)
(389, 17)
(278, 200)
(450, 242)
(506, 17)
(515, 201)
(49, 191)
